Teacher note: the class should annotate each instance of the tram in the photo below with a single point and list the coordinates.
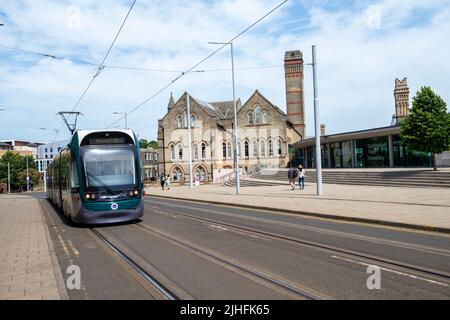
(97, 177)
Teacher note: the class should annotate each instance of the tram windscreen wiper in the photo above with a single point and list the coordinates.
(103, 184)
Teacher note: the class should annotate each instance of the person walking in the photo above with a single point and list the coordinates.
(1, 189)
(162, 182)
(301, 177)
(292, 175)
(168, 182)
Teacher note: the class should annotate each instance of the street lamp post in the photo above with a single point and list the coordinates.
(125, 114)
(9, 177)
(317, 125)
(236, 153)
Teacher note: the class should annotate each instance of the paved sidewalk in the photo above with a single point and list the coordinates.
(26, 268)
(420, 208)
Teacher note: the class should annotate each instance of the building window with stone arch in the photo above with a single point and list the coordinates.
(270, 147)
(193, 121)
(179, 121)
(255, 148)
(200, 173)
(257, 114)
(203, 151)
(246, 151)
(180, 152)
(265, 117)
(262, 148)
(172, 152)
(250, 118)
(229, 150)
(177, 174)
(224, 150)
(279, 147)
(195, 147)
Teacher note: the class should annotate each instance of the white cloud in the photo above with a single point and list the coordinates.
(357, 65)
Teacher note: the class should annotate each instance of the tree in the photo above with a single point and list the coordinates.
(34, 175)
(18, 164)
(427, 128)
(143, 144)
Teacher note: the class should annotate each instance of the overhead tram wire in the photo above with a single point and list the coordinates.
(79, 61)
(191, 69)
(100, 68)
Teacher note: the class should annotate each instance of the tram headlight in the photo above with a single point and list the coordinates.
(136, 192)
(88, 196)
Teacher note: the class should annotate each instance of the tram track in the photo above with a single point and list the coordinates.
(146, 276)
(244, 269)
(372, 259)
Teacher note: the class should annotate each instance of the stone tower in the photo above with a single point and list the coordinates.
(401, 94)
(295, 104)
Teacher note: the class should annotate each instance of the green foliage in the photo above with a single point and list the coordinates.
(144, 144)
(34, 175)
(18, 164)
(427, 128)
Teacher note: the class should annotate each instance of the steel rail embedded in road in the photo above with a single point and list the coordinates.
(144, 274)
(247, 269)
(378, 259)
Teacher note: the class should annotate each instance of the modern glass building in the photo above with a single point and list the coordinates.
(373, 148)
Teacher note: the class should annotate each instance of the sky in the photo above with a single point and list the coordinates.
(362, 47)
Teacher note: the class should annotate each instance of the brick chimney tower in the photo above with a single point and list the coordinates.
(295, 104)
(401, 94)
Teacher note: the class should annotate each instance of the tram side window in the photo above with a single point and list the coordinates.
(73, 175)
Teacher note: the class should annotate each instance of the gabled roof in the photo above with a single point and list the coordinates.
(267, 100)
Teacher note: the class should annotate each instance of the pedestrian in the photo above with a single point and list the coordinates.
(168, 182)
(292, 175)
(162, 182)
(1, 189)
(301, 177)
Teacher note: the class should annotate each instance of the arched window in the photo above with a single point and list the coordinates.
(180, 152)
(224, 150)
(255, 149)
(250, 118)
(203, 150)
(270, 147)
(177, 174)
(229, 150)
(246, 153)
(172, 152)
(193, 121)
(200, 173)
(262, 148)
(265, 118)
(179, 121)
(195, 151)
(257, 114)
(279, 146)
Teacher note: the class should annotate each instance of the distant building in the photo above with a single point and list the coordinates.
(149, 163)
(22, 147)
(46, 153)
(371, 148)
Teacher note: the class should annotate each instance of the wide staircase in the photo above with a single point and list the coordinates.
(393, 178)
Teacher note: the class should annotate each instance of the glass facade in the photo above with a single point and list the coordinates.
(362, 153)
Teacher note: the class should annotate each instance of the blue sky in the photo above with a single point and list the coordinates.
(362, 47)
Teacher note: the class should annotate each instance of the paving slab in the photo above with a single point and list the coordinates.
(419, 208)
(26, 267)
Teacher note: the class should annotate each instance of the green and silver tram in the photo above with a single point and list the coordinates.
(97, 178)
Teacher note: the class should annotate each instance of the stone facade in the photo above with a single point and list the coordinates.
(401, 95)
(295, 103)
(263, 129)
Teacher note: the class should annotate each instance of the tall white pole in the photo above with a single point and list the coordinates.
(126, 122)
(9, 178)
(317, 125)
(45, 181)
(188, 110)
(28, 177)
(236, 140)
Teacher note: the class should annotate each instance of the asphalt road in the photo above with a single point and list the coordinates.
(205, 251)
